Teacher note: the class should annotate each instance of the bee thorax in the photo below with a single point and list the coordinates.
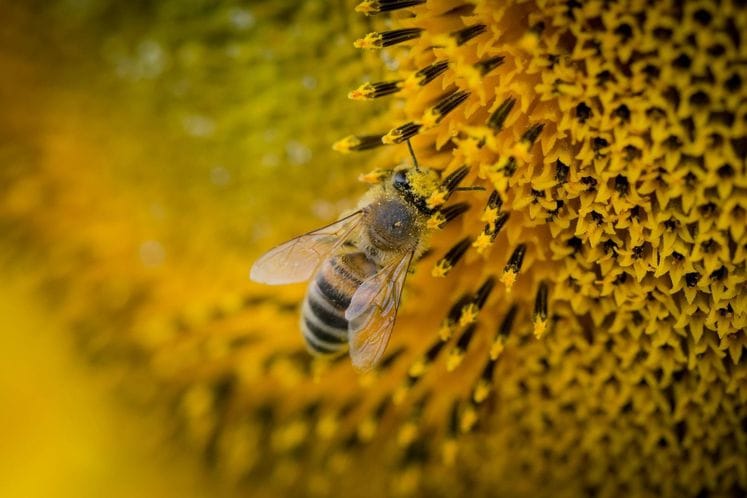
(392, 225)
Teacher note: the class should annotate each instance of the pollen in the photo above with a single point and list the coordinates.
(484, 240)
(436, 221)
(442, 268)
(469, 314)
(437, 198)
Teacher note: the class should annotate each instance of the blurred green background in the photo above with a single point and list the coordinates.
(148, 152)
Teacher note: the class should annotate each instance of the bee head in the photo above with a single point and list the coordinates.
(415, 186)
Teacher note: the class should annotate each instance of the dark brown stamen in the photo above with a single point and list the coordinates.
(375, 90)
(540, 302)
(389, 38)
(390, 358)
(483, 292)
(431, 72)
(487, 65)
(433, 351)
(516, 259)
(447, 104)
(508, 322)
(455, 253)
(401, 133)
(358, 143)
(510, 168)
(466, 34)
(454, 419)
(495, 201)
(487, 372)
(498, 118)
(452, 212)
(369, 7)
(499, 222)
(466, 337)
(493, 231)
(453, 180)
(455, 312)
(532, 133)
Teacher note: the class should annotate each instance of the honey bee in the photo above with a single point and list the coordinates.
(357, 266)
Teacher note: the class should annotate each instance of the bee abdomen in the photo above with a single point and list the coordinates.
(328, 315)
(323, 322)
(324, 327)
(330, 293)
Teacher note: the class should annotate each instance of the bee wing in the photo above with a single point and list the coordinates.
(296, 260)
(372, 313)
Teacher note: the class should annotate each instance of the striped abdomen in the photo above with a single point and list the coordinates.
(323, 322)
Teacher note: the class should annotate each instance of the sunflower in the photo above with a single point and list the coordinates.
(575, 329)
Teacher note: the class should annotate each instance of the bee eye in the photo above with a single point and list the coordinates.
(400, 181)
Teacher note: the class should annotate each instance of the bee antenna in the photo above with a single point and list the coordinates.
(412, 154)
(473, 187)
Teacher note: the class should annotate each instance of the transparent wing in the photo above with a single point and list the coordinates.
(372, 313)
(297, 259)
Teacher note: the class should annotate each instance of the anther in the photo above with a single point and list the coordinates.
(492, 208)
(356, 143)
(461, 420)
(447, 214)
(498, 118)
(401, 133)
(449, 324)
(454, 419)
(509, 167)
(370, 7)
(456, 355)
(448, 103)
(466, 34)
(622, 185)
(472, 309)
(490, 232)
(483, 293)
(513, 266)
(494, 201)
(420, 366)
(499, 222)
(427, 74)
(375, 90)
(540, 311)
(452, 257)
(453, 180)
(448, 185)
(487, 65)
(530, 136)
(387, 38)
(390, 359)
(502, 333)
(468, 418)
(561, 171)
(455, 210)
(485, 382)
